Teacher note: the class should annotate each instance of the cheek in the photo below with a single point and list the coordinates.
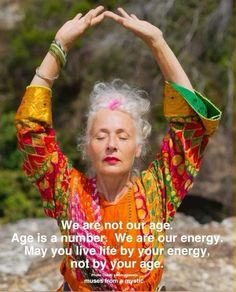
(129, 151)
(94, 149)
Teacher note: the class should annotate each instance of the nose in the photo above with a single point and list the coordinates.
(111, 144)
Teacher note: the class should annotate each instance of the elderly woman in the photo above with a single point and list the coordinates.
(127, 256)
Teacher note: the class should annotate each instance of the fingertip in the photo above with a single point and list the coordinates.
(109, 14)
(102, 15)
(100, 7)
(133, 16)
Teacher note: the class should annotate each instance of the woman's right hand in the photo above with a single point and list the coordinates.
(74, 28)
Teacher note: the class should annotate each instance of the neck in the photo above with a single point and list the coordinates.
(112, 187)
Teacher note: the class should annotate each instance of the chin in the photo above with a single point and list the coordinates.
(112, 170)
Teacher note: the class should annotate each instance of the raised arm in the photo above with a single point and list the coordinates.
(153, 37)
(45, 165)
(66, 36)
(192, 119)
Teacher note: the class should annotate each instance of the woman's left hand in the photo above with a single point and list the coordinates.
(143, 29)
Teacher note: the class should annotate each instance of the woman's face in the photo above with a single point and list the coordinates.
(112, 146)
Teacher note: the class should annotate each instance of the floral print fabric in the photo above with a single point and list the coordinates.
(67, 194)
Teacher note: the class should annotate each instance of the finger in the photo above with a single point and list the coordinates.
(97, 19)
(92, 13)
(111, 14)
(123, 12)
(134, 16)
(77, 16)
(88, 18)
(127, 23)
(114, 16)
(89, 14)
(98, 10)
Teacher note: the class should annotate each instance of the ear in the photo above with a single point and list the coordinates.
(138, 150)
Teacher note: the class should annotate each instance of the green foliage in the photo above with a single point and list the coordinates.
(19, 199)
(10, 157)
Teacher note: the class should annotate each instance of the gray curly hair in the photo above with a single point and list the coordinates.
(130, 100)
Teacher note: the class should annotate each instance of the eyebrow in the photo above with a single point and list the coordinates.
(118, 131)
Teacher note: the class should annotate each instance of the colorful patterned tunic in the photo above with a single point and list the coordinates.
(69, 195)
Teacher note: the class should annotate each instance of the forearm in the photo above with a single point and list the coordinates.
(168, 63)
(65, 37)
(49, 68)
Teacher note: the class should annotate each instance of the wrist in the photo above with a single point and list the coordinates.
(65, 45)
(58, 51)
(157, 41)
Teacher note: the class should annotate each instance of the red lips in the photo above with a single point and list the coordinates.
(111, 159)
